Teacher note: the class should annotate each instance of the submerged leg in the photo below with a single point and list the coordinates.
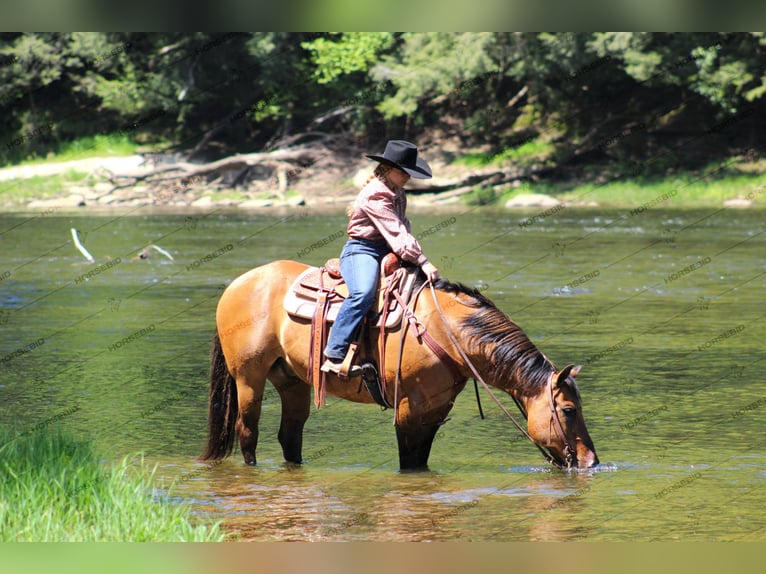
(296, 406)
(415, 446)
(250, 396)
(415, 431)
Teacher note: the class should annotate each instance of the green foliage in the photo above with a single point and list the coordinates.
(430, 65)
(352, 52)
(244, 92)
(54, 489)
(480, 196)
(529, 151)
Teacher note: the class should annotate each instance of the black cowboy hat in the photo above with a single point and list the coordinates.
(404, 155)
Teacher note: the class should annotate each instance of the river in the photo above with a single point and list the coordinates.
(663, 308)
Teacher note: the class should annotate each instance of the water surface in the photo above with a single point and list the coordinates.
(663, 308)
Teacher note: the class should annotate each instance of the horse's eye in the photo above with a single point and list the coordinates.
(569, 411)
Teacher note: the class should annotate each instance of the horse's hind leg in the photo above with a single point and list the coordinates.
(250, 397)
(296, 407)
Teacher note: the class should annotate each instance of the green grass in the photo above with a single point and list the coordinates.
(521, 155)
(91, 146)
(54, 488)
(97, 146)
(20, 191)
(686, 190)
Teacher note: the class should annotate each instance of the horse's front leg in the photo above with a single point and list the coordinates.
(415, 432)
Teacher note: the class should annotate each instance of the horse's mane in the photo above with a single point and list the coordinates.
(512, 354)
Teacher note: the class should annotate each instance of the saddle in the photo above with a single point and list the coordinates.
(318, 293)
(303, 295)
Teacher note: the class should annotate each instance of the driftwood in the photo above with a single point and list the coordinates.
(311, 155)
(184, 170)
(240, 170)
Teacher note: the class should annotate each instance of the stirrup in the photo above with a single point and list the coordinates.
(330, 366)
(346, 369)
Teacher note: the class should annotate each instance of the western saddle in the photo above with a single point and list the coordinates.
(318, 293)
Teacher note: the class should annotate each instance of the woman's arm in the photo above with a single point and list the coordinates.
(378, 206)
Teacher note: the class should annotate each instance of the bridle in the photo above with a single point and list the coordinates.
(570, 452)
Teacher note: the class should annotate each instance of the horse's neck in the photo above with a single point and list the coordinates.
(519, 380)
(479, 351)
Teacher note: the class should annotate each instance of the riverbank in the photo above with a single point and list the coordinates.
(53, 488)
(85, 185)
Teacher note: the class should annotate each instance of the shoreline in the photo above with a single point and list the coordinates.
(61, 188)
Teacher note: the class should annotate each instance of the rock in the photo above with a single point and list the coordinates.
(255, 203)
(103, 187)
(204, 201)
(738, 202)
(532, 200)
(295, 201)
(73, 200)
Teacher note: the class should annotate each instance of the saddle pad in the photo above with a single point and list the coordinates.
(301, 302)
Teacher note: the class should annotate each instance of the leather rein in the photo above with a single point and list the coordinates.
(570, 453)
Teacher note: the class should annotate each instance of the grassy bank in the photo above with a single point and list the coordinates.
(607, 186)
(710, 187)
(54, 488)
(99, 145)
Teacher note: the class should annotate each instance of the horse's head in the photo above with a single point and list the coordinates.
(555, 421)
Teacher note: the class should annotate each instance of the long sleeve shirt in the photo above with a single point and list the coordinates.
(378, 214)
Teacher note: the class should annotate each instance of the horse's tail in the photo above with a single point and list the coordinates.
(222, 414)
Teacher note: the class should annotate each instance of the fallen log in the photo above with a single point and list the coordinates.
(185, 170)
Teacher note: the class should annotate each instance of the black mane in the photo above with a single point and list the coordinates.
(512, 355)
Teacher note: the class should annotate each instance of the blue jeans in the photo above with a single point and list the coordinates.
(360, 267)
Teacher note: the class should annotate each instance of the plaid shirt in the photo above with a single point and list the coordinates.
(378, 214)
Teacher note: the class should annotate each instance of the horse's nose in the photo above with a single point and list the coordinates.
(590, 460)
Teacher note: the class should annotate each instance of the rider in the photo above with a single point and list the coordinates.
(377, 226)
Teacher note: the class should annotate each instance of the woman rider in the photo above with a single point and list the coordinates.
(377, 226)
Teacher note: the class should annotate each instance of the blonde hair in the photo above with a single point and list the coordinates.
(381, 172)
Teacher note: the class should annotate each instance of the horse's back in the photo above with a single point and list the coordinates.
(254, 299)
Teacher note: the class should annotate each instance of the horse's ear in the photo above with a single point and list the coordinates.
(566, 372)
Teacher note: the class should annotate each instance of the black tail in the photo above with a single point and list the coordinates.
(222, 414)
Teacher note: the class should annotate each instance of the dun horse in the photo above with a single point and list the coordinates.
(257, 340)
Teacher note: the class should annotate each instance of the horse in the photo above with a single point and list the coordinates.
(257, 340)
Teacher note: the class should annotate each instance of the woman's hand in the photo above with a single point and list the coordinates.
(431, 272)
